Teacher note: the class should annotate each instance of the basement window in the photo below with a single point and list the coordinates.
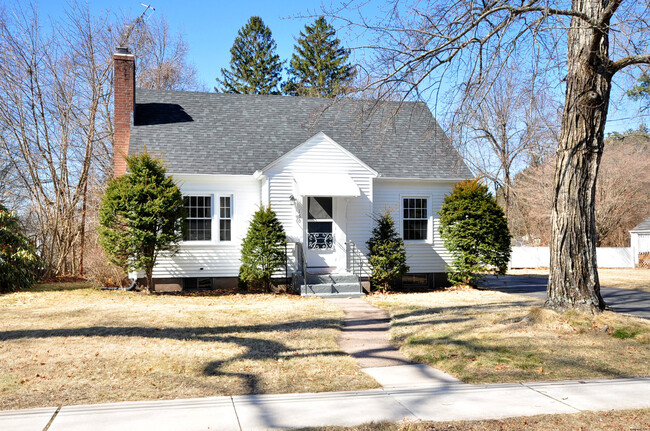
(415, 280)
(197, 283)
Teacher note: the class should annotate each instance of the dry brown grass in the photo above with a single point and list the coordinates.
(631, 420)
(71, 344)
(635, 279)
(485, 336)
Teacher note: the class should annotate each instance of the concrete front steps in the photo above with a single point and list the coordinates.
(332, 286)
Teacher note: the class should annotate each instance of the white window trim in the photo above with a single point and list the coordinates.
(202, 242)
(217, 216)
(429, 238)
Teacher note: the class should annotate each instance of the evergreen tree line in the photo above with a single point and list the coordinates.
(319, 66)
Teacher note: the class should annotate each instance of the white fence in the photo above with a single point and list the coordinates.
(607, 257)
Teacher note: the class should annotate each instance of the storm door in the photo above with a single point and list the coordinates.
(320, 232)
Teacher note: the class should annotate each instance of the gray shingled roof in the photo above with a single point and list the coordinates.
(210, 133)
(644, 225)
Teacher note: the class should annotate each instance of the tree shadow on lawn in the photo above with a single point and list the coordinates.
(520, 358)
(398, 317)
(256, 348)
(498, 351)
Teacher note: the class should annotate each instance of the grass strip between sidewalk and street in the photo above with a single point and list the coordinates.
(629, 420)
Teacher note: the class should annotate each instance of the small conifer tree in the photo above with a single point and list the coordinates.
(475, 231)
(386, 253)
(255, 68)
(319, 66)
(263, 249)
(19, 263)
(142, 214)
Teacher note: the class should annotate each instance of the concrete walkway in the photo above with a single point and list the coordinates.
(628, 301)
(365, 336)
(410, 392)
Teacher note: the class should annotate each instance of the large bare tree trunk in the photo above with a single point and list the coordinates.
(573, 280)
(468, 44)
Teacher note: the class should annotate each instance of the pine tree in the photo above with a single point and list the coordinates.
(319, 65)
(642, 88)
(387, 256)
(142, 214)
(263, 249)
(475, 231)
(255, 68)
(19, 263)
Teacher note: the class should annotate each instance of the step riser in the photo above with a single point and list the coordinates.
(331, 285)
(338, 295)
(331, 279)
(328, 288)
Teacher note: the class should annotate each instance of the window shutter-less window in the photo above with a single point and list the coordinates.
(199, 218)
(225, 218)
(415, 218)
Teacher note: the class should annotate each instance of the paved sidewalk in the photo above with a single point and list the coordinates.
(260, 412)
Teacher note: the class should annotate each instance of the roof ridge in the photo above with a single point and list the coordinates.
(282, 96)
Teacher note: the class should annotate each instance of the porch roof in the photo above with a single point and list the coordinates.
(326, 185)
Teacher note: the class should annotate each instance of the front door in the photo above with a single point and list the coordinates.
(321, 241)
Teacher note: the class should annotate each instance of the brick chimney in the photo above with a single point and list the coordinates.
(124, 81)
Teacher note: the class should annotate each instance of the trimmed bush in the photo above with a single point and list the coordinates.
(387, 255)
(142, 214)
(263, 250)
(19, 263)
(475, 231)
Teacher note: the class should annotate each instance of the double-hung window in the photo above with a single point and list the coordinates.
(198, 226)
(200, 214)
(415, 218)
(225, 218)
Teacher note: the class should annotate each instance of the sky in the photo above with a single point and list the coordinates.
(210, 27)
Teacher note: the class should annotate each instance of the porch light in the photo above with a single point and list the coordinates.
(292, 199)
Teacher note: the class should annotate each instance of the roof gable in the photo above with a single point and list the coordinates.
(305, 146)
(213, 133)
(643, 226)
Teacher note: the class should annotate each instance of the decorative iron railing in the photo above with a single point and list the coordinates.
(301, 264)
(356, 261)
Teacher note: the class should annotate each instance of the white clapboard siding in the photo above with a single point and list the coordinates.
(319, 155)
(644, 242)
(640, 243)
(214, 258)
(430, 256)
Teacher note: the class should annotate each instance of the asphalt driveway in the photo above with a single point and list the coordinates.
(620, 300)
